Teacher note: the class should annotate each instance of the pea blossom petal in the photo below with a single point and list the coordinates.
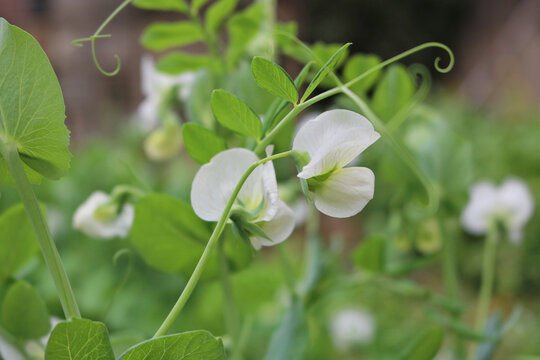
(86, 221)
(346, 192)
(279, 228)
(333, 139)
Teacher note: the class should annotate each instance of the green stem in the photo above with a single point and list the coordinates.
(194, 279)
(41, 229)
(231, 313)
(399, 149)
(488, 275)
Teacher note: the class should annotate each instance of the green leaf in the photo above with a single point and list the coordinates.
(171, 238)
(426, 346)
(357, 65)
(165, 35)
(24, 313)
(176, 63)
(79, 339)
(393, 93)
(196, 5)
(301, 77)
(201, 144)
(217, 13)
(370, 255)
(198, 104)
(192, 345)
(174, 5)
(235, 114)
(18, 243)
(32, 110)
(273, 78)
(328, 67)
(243, 28)
(290, 339)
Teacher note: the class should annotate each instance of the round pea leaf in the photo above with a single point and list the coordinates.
(32, 110)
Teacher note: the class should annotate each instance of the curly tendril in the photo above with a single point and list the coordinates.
(97, 35)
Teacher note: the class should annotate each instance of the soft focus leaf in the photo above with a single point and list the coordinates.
(370, 255)
(357, 65)
(235, 114)
(171, 238)
(178, 62)
(328, 67)
(393, 93)
(18, 243)
(218, 12)
(196, 5)
(198, 105)
(175, 5)
(32, 107)
(24, 313)
(243, 27)
(164, 35)
(79, 339)
(201, 144)
(192, 345)
(426, 346)
(290, 339)
(274, 79)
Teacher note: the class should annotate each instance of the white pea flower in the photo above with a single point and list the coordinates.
(99, 219)
(156, 87)
(350, 328)
(8, 351)
(258, 199)
(512, 203)
(334, 139)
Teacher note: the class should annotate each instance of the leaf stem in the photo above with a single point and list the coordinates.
(488, 272)
(41, 229)
(231, 313)
(196, 275)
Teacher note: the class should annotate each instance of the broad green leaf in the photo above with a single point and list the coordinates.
(242, 84)
(171, 238)
(357, 65)
(290, 339)
(18, 244)
(196, 5)
(370, 255)
(393, 93)
(274, 78)
(201, 144)
(426, 346)
(32, 110)
(243, 28)
(235, 114)
(165, 35)
(192, 345)
(175, 5)
(328, 67)
(217, 13)
(24, 313)
(178, 62)
(79, 339)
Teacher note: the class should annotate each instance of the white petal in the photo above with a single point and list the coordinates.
(270, 186)
(352, 327)
(85, 221)
(148, 71)
(517, 198)
(148, 113)
(481, 208)
(278, 229)
(346, 192)
(214, 183)
(333, 140)
(9, 352)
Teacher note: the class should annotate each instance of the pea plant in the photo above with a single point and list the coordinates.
(233, 110)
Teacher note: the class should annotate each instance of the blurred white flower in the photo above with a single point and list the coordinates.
(350, 328)
(511, 203)
(97, 219)
(334, 139)
(163, 143)
(9, 352)
(258, 199)
(157, 87)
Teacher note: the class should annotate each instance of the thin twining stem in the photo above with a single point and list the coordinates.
(196, 275)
